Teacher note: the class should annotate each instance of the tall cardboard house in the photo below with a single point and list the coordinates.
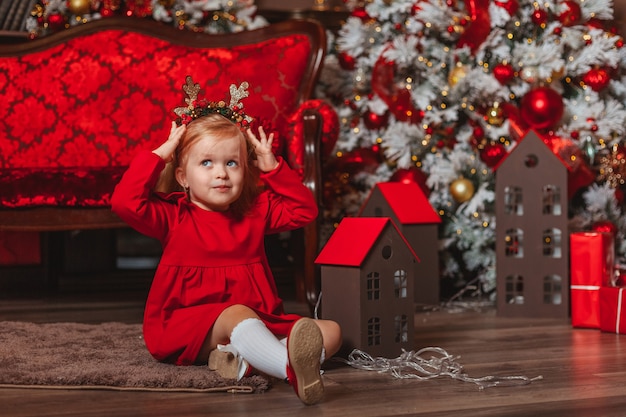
(532, 239)
(409, 208)
(367, 285)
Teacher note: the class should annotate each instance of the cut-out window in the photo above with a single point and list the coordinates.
(400, 282)
(387, 252)
(551, 200)
(552, 243)
(514, 289)
(531, 160)
(513, 200)
(402, 329)
(373, 286)
(552, 290)
(373, 331)
(513, 240)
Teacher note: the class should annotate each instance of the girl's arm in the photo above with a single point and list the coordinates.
(133, 199)
(291, 204)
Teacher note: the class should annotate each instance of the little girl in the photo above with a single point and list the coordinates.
(213, 287)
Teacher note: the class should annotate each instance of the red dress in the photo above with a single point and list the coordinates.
(210, 260)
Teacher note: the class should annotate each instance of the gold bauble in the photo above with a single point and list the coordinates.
(457, 74)
(462, 190)
(495, 115)
(79, 7)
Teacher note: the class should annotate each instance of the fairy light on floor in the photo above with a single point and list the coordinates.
(417, 365)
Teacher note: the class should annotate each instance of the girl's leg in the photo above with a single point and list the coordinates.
(223, 327)
(299, 360)
(260, 347)
(331, 333)
(240, 327)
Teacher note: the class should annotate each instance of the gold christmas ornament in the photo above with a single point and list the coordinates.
(495, 115)
(462, 190)
(79, 7)
(457, 74)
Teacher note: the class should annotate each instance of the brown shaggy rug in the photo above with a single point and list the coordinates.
(99, 356)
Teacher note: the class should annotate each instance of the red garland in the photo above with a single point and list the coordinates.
(477, 31)
(330, 132)
(398, 100)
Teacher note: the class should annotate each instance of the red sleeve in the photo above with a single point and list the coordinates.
(134, 201)
(291, 204)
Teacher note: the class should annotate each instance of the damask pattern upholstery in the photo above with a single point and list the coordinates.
(75, 114)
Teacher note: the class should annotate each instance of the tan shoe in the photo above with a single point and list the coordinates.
(228, 364)
(304, 347)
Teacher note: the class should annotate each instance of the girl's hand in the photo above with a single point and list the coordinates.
(166, 150)
(265, 159)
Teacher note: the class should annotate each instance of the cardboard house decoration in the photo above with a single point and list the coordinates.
(367, 285)
(409, 208)
(532, 238)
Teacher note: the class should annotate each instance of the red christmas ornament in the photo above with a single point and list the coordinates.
(539, 17)
(478, 132)
(492, 153)
(375, 121)
(346, 61)
(572, 13)
(597, 78)
(56, 22)
(510, 6)
(361, 14)
(604, 226)
(595, 23)
(411, 175)
(503, 73)
(541, 108)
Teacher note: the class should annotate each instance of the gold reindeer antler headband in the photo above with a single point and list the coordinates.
(201, 107)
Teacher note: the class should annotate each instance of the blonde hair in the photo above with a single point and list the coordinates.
(218, 128)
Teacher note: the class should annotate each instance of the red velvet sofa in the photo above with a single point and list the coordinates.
(77, 106)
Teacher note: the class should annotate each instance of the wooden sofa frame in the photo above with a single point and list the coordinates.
(305, 242)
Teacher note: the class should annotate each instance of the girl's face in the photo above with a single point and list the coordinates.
(213, 172)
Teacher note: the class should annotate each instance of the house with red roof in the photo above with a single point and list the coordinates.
(367, 285)
(532, 238)
(408, 206)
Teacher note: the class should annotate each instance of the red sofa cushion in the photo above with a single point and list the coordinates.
(75, 114)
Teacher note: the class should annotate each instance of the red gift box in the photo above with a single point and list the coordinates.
(592, 258)
(613, 310)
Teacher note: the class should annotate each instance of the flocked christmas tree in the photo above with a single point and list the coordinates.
(438, 91)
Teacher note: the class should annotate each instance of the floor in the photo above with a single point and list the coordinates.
(583, 371)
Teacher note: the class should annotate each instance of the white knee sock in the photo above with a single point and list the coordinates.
(260, 348)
